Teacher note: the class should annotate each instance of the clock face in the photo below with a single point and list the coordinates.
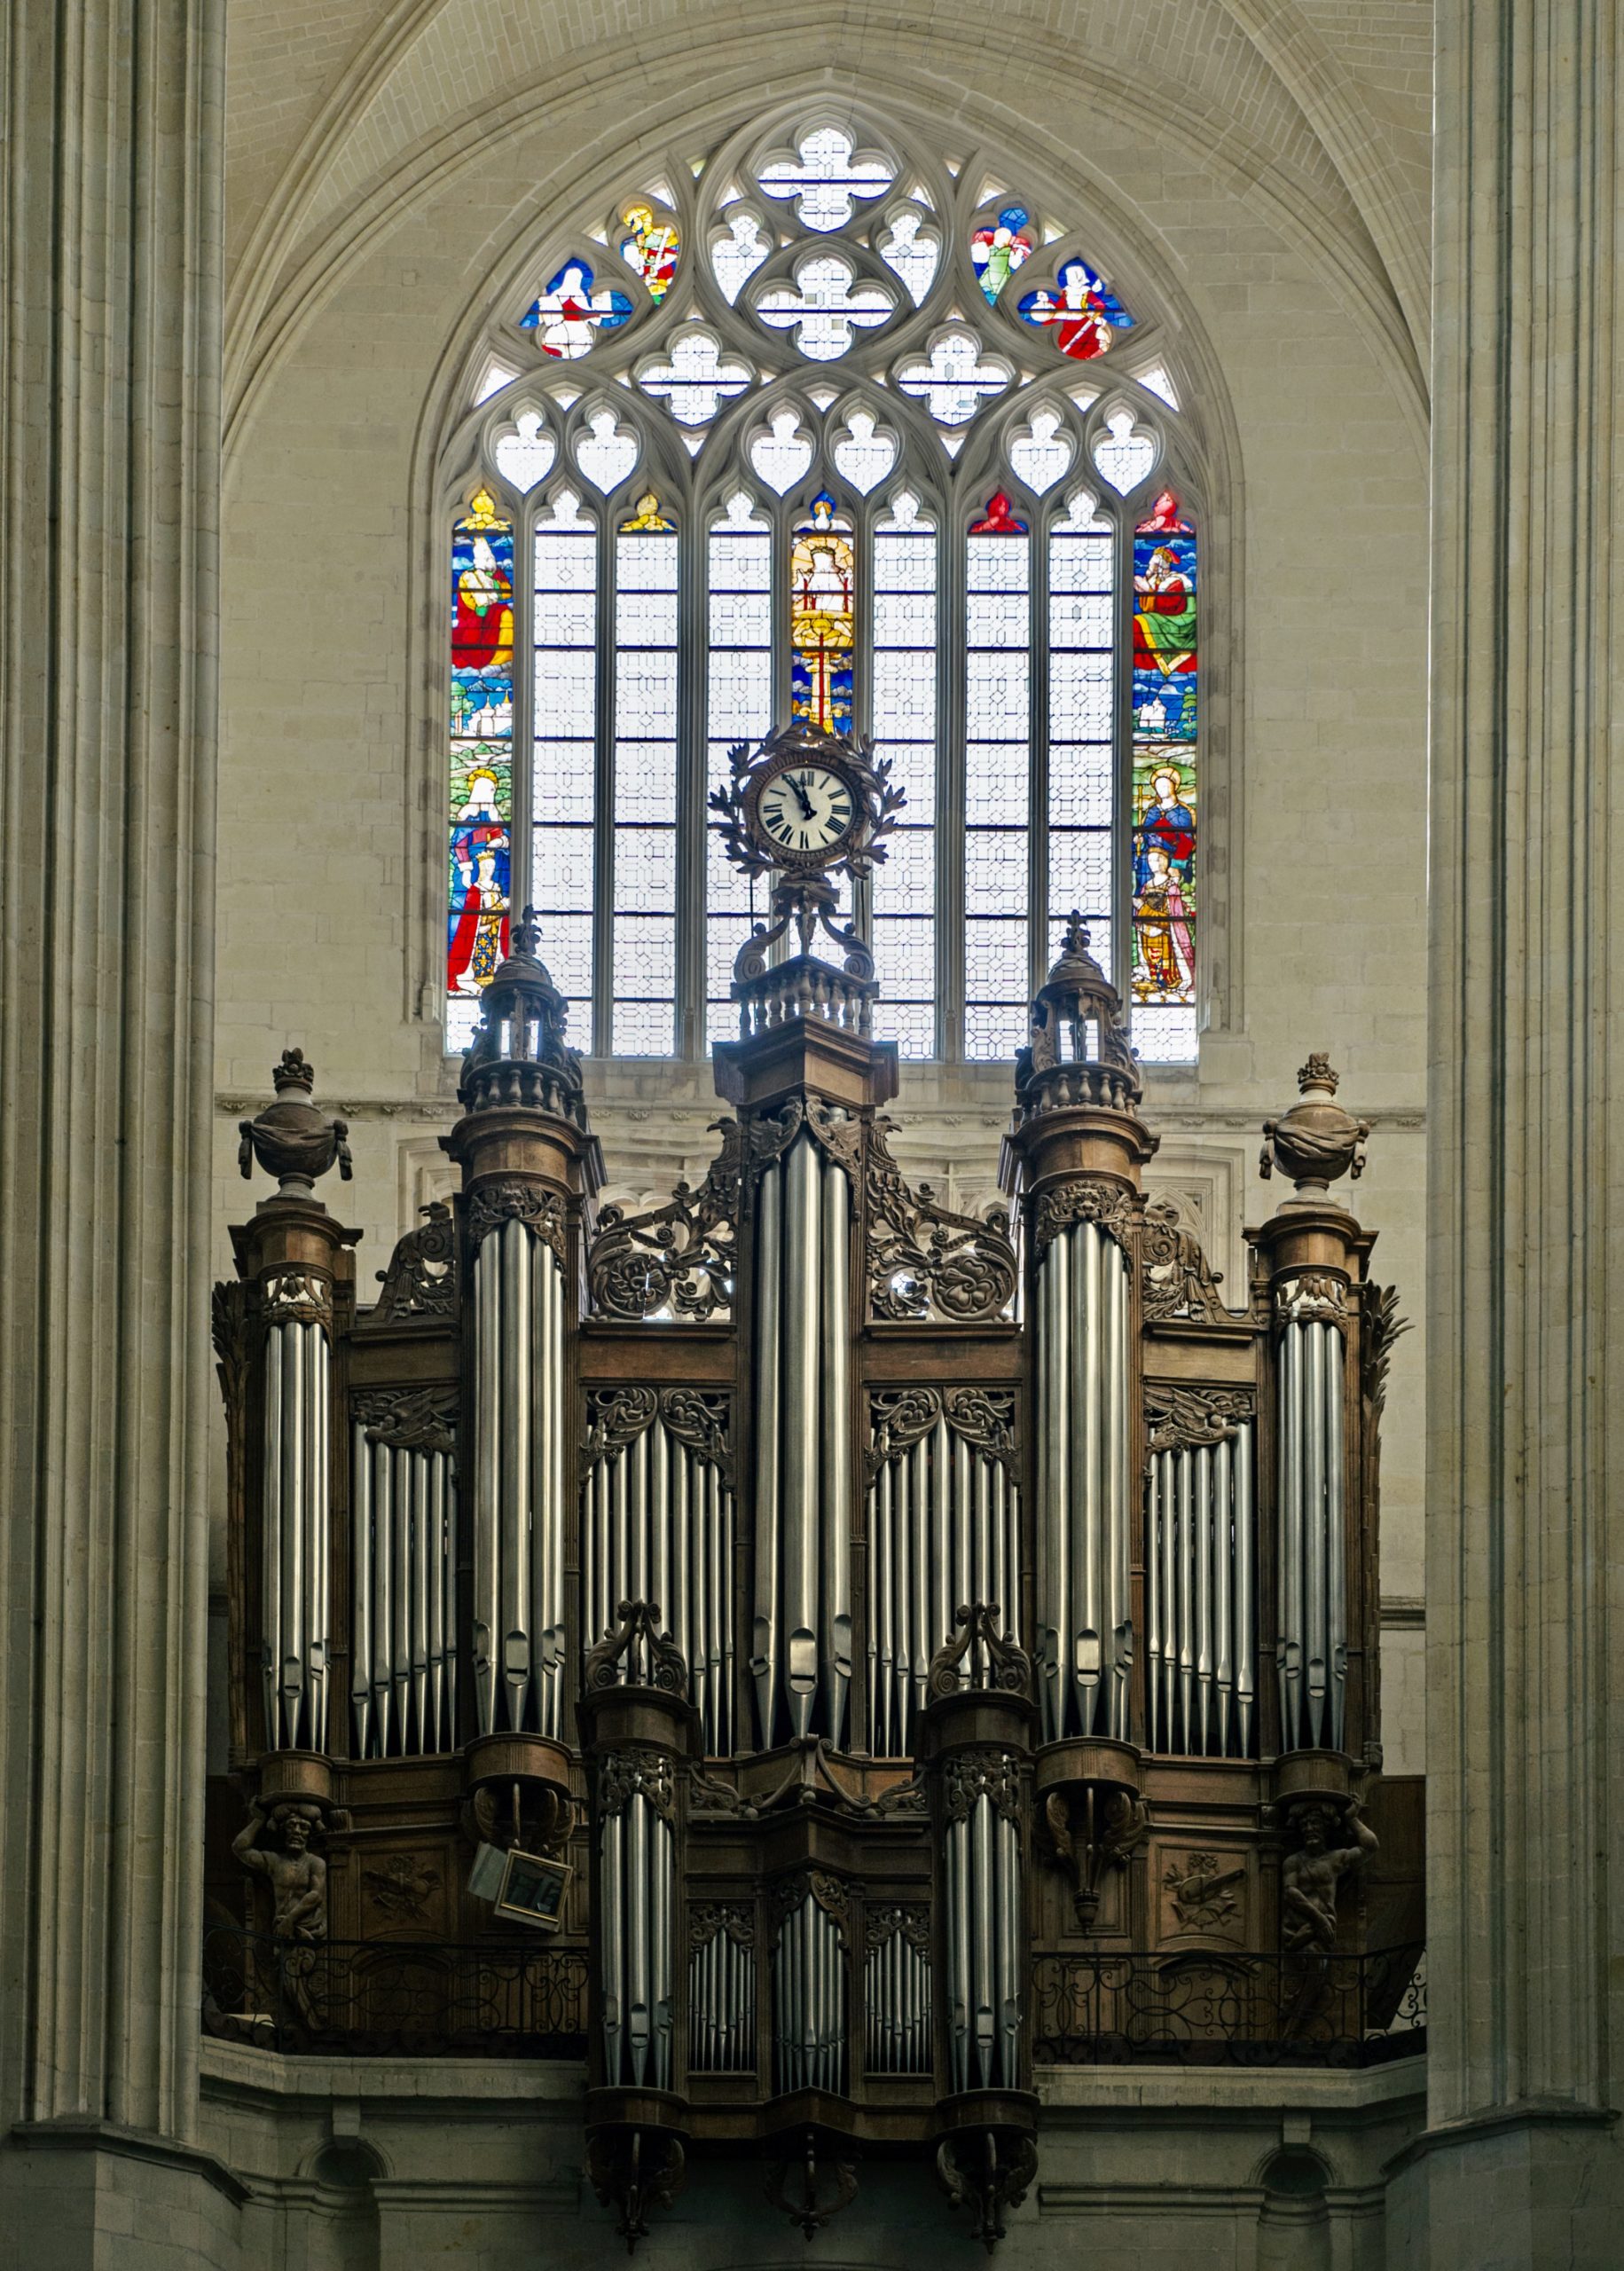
(806, 810)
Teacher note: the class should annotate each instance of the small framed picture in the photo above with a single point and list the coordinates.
(531, 1891)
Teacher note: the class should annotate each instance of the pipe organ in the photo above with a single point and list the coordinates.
(873, 1608)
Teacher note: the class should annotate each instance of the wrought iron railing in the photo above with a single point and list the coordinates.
(379, 1999)
(1212, 2009)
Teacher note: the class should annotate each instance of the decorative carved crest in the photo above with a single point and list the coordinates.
(635, 2171)
(832, 1895)
(652, 1658)
(1092, 1827)
(1088, 1200)
(678, 1256)
(1202, 1895)
(419, 1286)
(970, 1775)
(513, 1201)
(901, 1417)
(736, 1917)
(925, 1260)
(699, 1418)
(811, 2210)
(987, 1660)
(881, 1926)
(636, 1772)
(1176, 1417)
(1177, 1282)
(295, 1296)
(408, 1418)
(1314, 1297)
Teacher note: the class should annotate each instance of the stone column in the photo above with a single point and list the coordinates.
(1522, 2163)
(108, 487)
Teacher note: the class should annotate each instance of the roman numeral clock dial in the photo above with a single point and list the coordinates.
(807, 808)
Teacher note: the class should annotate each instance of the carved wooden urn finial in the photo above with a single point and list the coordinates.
(1316, 1142)
(290, 1139)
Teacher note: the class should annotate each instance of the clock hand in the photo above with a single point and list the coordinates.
(800, 789)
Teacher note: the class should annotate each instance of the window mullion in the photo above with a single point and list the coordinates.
(522, 794)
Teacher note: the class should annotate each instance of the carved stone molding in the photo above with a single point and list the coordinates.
(1177, 1283)
(970, 1775)
(1177, 1418)
(513, 1201)
(294, 1296)
(419, 1286)
(408, 1418)
(1106, 1204)
(678, 1256)
(637, 1771)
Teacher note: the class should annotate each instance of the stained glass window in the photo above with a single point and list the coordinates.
(793, 428)
(997, 779)
(482, 766)
(644, 941)
(564, 785)
(822, 618)
(1164, 783)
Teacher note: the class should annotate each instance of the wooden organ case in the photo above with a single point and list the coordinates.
(893, 1646)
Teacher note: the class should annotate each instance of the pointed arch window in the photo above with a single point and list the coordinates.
(828, 426)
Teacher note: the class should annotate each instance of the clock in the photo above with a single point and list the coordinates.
(805, 811)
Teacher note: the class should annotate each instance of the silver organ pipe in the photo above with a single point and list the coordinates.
(809, 2002)
(657, 1526)
(983, 1888)
(637, 1882)
(296, 1534)
(402, 1578)
(942, 1530)
(897, 2035)
(1311, 1652)
(1200, 1598)
(1085, 1616)
(721, 2005)
(519, 1465)
(801, 1655)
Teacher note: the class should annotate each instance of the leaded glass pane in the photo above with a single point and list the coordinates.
(563, 798)
(644, 874)
(904, 716)
(998, 767)
(481, 753)
(1164, 783)
(739, 706)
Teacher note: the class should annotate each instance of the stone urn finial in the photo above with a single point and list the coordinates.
(1317, 1140)
(290, 1139)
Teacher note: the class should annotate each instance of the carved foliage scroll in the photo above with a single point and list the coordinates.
(1176, 1417)
(970, 1775)
(679, 1257)
(1087, 1200)
(419, 1286)
(637, 1771)
(926, 1261)
(700, 1419)
(1177, 1282)
(512, 1200)
(901, 1417)
(408, 1418)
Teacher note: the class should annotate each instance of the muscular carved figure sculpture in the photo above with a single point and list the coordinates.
(1312, 1874)
(297, 1876)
